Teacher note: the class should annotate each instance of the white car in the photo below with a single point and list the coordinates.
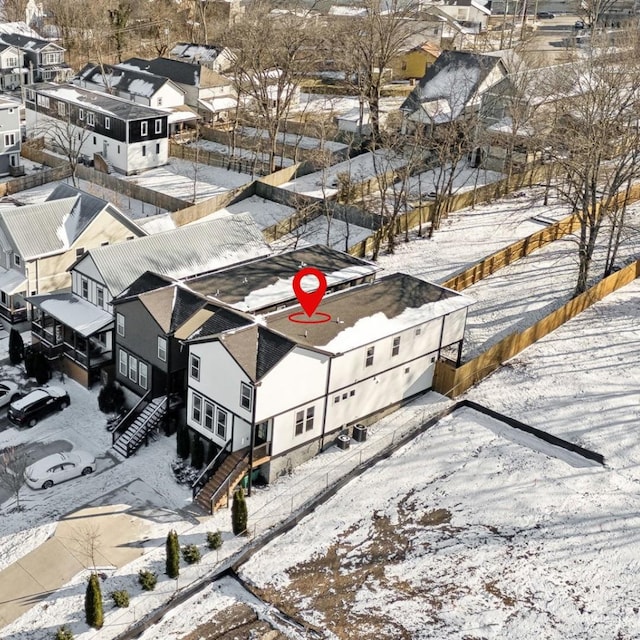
(59, 467)
(8, 392)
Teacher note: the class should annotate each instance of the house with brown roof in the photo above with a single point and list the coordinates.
(413, 63)
(277, 391)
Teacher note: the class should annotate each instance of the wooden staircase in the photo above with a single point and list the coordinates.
(149, 419)
(217, 491)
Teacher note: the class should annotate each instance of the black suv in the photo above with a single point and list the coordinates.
(37, 404)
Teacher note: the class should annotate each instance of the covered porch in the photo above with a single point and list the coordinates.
(13, 289)
(74, 330)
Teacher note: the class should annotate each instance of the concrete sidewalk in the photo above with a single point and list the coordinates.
(118, 537)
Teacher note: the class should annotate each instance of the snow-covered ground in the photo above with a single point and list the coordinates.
(522, 293)
(177, 179)
(336, 105)
(323, 184)
(478, 535)
(465, 178)
(341, 235)
(469, 235)
(244, 154)
(266, 213)
(294, 140)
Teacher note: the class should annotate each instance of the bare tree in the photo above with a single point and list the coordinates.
(13, 464)
(272, 53)
(595, 141)
(14, 10)
(366, 45)
(89, 542)
(65, 138)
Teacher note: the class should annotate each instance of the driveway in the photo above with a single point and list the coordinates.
(36, 451)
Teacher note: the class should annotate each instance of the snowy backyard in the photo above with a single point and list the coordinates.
(341, 235)
(184, 179)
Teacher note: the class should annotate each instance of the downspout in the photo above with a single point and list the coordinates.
(253, 434)
(326, 404)
(167, 416)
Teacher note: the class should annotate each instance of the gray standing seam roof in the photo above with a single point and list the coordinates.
(180, 252)
(180, 72)
(40, 229)
(120, 78)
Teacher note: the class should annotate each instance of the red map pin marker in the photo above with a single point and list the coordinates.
(309, 300)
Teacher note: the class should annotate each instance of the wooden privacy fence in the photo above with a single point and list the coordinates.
(453, 381)
(215, 159)
(512, 253)
(34, 180)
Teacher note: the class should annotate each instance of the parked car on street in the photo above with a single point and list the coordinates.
(545, 15)
(8, 392)
(36, 405)
(59, 467)
(579, 24)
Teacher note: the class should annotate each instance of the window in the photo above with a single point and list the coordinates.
(395, 350)
(62, 109)
(369, 361)
(91, 118)
(95, 141)
(336, 399)
(100, 296)
(196, 408)
(299, 422)
(143, 375)
(208, 415)
(157, 147)
(9, 139)
(79, 252)
(84, 283)
(31, 94)
(123, 363)
(162, 349)
(107, 122)
(43, 101)
(16, 260)
(158, 125)
(221, 423)
(133, 368)
(118, 149)
(407, 370)
(311, 411)
(13, 160)
(144, 150)
(144, 128)
(418, 331)
(194, 369)
(120, 324)
(352, 393)
(344, 396)
(246, 396)
(159, 101)
(104, 244)
(81, 114)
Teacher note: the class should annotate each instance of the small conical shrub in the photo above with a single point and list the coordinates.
(239, 514)
(173, 555)
(16, 347)
(183, 443)
(29, 362)
(214, 539)
(93, 612)
(64, 633)
(197, 453)
(111, 398)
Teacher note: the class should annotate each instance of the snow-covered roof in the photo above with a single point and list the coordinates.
(20, 28)
(137, 83)
(74, 312)
(267, 282)
(12, 281)
(181, 252)
(97, 101)
(369, 312)
(60, 221)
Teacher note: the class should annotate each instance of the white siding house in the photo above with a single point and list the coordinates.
(295, 386)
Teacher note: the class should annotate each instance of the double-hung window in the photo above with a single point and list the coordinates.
(221, 423)
(246, 396)
(196, 408)
(143, 374)
(194, 369)
(299, 422)
(369, 359)
(133, 369)
(395, 350)
(120, 324)
(91, 118)
(144, 128)
(162, 349)
(208, 415)
(122, 362)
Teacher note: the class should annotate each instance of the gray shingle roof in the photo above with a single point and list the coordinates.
(27, 42)
(181, 72)
(180, 252)
(134, 82)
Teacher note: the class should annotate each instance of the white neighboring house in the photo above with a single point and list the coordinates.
(289, 388)
(130, 137)
(215, 57)
(10, 137)
(12, 71)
